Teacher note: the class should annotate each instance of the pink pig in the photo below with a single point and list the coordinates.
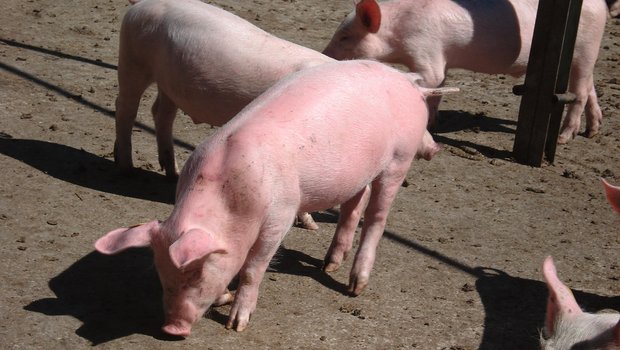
(567, 327)
(205, 61)
(316, 139)
(431, 36)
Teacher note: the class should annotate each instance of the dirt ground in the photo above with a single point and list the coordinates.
(458, 267)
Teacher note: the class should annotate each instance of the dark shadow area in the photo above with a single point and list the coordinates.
(81, 100)
(452, 121)
(88, 170)
(57, 54)
(486, 151)
(293, 262)
(329, 216)
(114, 296)
(514, 307)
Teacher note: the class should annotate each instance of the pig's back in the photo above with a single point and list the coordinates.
(215, 62)
(333, 128)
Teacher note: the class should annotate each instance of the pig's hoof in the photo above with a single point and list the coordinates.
(357, 286)
(224, 299)
(306, 221)
(564, 139)
(238, 325)
(590, 133)
(331, 267)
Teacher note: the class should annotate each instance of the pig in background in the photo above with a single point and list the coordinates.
(354, 123)
(566, 325)
(494, 37)
(204, 60)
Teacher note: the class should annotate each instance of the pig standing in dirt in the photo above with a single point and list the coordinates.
(494, 36)
(566, 326)
(204, 60)
(316, 139)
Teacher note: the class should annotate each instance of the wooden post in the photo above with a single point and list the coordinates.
(546, 81)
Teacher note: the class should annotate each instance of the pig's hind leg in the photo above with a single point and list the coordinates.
(305, 220)
(383, 192)
(350, 214)
(255, 266)
(164, 111)
(583, 88)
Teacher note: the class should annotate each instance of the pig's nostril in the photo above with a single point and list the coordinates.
(176, 330)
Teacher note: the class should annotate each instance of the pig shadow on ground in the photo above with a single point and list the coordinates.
(78, 98)
(114, 296)
(57, 53)
(514, 307)
(329, 216)
(87, 170)
(293, 262)
(452, 121)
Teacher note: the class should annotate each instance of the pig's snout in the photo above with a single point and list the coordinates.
(179, 322)
(179, 329)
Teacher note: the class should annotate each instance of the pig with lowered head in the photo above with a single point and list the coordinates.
(314, 140)
(493, 36)
(566, 325)
(204, 60)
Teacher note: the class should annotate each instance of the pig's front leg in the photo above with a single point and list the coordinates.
(254, 268)
(350, 214)
(382, 194)
(132, 81)
(164, 111)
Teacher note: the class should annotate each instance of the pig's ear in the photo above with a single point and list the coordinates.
(124, 238)
(561, 302)
(193, 246)
(369, 12)
(613, 195)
